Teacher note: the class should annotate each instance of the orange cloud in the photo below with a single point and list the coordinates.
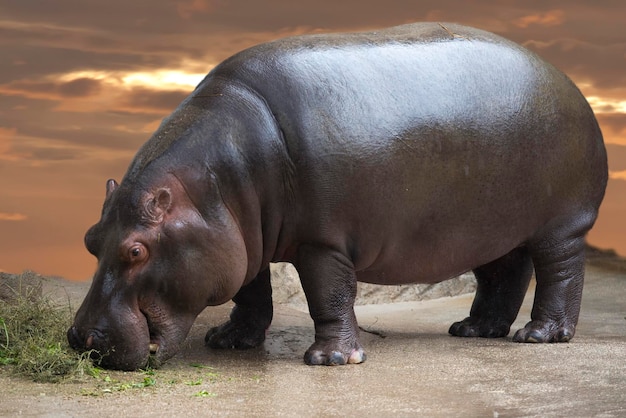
(7, 137)
(12, 217)
(613, 127)
(549, 18)
(607, 105)
(618, 175)
(50, 90)
(149, 92)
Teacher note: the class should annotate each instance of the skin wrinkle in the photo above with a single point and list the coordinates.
(231, 213)
(182, 183)
(288, 166)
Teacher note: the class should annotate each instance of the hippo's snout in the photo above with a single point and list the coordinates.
(107, 353)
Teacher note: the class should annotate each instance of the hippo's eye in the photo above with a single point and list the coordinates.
(137, 253)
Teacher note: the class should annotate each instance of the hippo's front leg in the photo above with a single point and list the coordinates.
(329, 282)
(249, 319)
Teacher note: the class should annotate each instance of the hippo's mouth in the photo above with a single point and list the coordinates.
(164, 335)
(155, 337)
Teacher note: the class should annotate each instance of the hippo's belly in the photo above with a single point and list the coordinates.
(431, 206)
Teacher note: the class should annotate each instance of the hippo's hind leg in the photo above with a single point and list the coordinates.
(502, 285)
(249, 319)
(329, 283)
(559, 267)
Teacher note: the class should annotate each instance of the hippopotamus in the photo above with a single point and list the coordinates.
(406, 155)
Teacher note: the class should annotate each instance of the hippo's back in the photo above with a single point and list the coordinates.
(402, 76)
(377, 91)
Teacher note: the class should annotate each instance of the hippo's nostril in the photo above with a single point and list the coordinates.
(89, 342)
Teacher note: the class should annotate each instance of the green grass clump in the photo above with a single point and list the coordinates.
(33, 333)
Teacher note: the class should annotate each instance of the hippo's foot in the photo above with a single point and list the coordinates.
(250, 318)
(237, 335)
(480, 327)
(332, 353)
(544, 332)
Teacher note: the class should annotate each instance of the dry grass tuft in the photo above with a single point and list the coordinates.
(32, 332)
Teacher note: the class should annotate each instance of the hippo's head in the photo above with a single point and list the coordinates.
(163, 256)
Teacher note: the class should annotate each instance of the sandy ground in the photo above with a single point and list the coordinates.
(413, 369)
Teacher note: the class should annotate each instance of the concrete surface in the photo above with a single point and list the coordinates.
(414, 368)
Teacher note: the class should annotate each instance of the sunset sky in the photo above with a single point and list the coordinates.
(84, 83)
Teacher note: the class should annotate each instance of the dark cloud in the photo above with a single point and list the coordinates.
(603, 65)
(50, 90)
(39, 122)
(80, 87)
(143, 100)
(614, 121)
(86, 138)
(110, 16)
(54, 154)
(43, 55)
(28, 62)
(214, 16)
(613, 127)
(29, 88)
(31, 62)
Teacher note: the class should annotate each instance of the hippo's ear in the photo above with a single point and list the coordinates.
(111, 186)
(157, 204)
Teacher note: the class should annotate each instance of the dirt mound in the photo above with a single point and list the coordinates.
(16, 286)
